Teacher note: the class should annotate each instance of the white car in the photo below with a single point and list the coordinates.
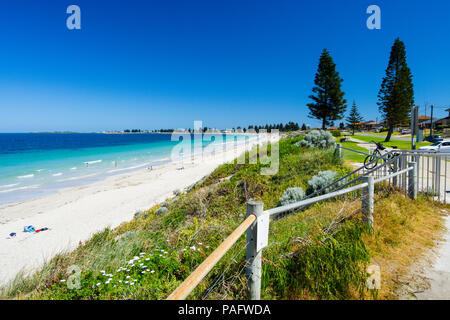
(442, 146)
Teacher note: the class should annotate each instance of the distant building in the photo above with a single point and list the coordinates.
(425, 122)
(369, 125)
(444, 121)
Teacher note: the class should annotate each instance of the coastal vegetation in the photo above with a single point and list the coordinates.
(319, 253)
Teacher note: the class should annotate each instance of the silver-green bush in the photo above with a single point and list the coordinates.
(317, 139)
(292, 195)
(162, 210)
(321, 180)
(165, 204)
(138, 214)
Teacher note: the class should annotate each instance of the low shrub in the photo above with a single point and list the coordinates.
(336, 133)
(321, 180)
(317, 139)
(292, 195)
(162, 210)
(138, 214)
(165, 204)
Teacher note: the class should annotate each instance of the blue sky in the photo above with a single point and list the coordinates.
(159, 64)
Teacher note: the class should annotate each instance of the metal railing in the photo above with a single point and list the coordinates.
(433, 170)
(258, 221)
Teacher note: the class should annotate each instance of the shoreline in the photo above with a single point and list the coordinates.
(74, 214)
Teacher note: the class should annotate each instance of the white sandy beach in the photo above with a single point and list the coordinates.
(75, 214)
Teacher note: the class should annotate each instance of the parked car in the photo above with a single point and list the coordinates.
(405, 131)
(434, 138)
(441, 146)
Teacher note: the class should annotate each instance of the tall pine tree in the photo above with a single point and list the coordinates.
(396, 96)
(329, 104)
(354, 118)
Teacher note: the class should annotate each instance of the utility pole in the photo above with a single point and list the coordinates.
(412, 127)
(431, 123)
(414, 124)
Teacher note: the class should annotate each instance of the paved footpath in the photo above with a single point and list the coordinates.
(439, 274)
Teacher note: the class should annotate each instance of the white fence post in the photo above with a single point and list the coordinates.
(403, 176)
(339, 150)
(253, 256)
(437, 174)
(396, 165)
(367, 200)
(412, 181)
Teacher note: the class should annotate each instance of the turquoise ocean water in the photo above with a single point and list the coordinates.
(37, 164)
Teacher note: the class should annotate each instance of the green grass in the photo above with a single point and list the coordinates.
(405, 145)
(353, 156)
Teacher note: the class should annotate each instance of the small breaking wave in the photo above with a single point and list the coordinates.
(28, 176)
(21, 188)
(77, 178)
(128, 168)
(57, 174)
(8, 185)
(92, 162)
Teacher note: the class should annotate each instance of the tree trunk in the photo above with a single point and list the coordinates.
(323, 124)
(388, 137)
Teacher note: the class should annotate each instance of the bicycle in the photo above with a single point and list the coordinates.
(371, 161)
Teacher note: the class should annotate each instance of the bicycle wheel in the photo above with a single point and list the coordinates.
(371, 161)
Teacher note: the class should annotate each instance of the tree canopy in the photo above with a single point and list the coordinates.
(354, 118)
(396, 96)
(328, 103)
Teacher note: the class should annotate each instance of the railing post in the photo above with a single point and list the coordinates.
(412, 181)
(438, 176)
(253, 263)
(339, 150)
(367, 201)
(403, 176)
(396, 165)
